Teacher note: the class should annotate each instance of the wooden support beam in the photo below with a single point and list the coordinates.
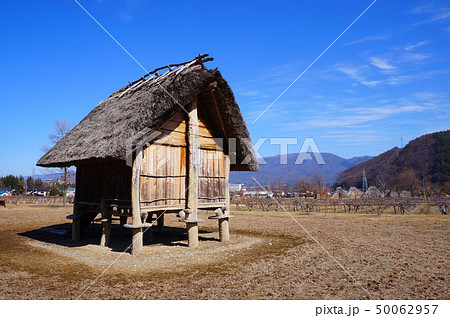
(193, 158)
(106, 232)
(138, 241)
(140, 226)
(226, 168)
(224, 229)
(192, 229)
(223, 216)
(193, 162)
(106, 225)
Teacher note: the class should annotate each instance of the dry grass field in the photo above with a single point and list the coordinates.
(269, 257)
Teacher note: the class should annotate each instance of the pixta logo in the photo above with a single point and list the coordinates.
(308, 148)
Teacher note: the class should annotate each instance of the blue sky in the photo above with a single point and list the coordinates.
(385, 79)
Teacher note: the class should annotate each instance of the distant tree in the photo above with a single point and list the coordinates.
(445, 189)
(427, 188)
(442, 168)
(382, 184)
(277, 187)
(18, 189)
(303, 184)
(54, 191)
(408, 180)
(23, 183)
(318, 182)
(38, 183)
(61, 128)
(30, 182)
(10, 181)
(1, 183)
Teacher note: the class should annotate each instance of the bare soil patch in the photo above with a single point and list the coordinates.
(270, 257)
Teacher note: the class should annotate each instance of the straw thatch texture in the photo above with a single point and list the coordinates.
(373, 192)
(148, 103)
(338, 191)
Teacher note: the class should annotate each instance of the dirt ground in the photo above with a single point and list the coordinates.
(270, 256)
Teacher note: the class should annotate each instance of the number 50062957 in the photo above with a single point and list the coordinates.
(406, 309)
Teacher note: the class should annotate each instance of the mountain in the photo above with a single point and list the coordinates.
(51, 176)
(427, 155)
(289, 173)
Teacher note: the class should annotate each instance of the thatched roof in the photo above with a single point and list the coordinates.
(373, 192)
(341, 191)
(148, 103)
(354, 193)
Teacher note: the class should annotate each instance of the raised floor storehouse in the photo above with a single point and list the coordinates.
(162, 144)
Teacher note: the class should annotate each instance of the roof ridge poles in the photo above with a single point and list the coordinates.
(200, 59)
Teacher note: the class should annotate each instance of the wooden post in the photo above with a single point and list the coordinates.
(136, 228)
(106, 225)
(106, 231)
(223, 216)
(224, 230)
(226, 163)
(192, 229)
(193, 158)
(138, 241)
(224, 227)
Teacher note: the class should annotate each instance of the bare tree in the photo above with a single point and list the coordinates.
(303, 184)
(277, 187)
(60, 130)
(408, 180)
(318, 182)
(382, 185)
(445, 189)
(427, 187)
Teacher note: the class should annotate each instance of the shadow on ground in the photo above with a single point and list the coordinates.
(120, 239)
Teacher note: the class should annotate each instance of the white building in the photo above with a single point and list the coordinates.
(70, 192)
(235, 187)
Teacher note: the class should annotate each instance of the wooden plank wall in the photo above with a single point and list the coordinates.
(110, 179)
(212, 170)
(211, 176)
(163, 171)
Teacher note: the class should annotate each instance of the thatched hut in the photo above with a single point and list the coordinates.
(162, 144)
(354, 193)
(339, 193)
(372, 192)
